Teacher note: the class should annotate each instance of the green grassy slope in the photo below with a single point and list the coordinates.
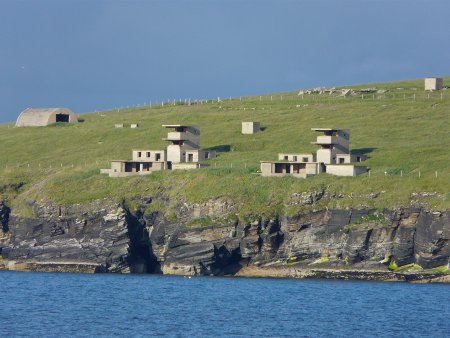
(403, 131)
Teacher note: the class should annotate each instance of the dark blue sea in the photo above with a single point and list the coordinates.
(108, 305)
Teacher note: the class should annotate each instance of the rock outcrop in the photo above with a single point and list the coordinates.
(324, 244)
(99, 237)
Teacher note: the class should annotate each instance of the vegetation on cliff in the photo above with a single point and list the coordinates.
(404, 131)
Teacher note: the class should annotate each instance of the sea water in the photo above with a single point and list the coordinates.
(108, 305)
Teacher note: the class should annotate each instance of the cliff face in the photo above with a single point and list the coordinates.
(328, 243)
(103, 238)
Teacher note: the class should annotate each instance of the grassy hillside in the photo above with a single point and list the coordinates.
(404, 132)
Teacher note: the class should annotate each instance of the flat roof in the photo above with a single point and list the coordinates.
(150, 150)
(327, 129)
(137, 161)
(175, 139)
(178, 126)
(290, 162)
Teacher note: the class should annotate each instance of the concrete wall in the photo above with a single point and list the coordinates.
(207, 154)
(327, 156)
(350, 158)
(312, 168)
(175, 153)
(185, 166)
(190, 134)
(250, 127)
(345, 170)
(134, 167)
(297, 157)
(118, 166)
(149, 155)
(433, 83)
(193, 155)
(296, 169)
(266, 168)
(339, 139)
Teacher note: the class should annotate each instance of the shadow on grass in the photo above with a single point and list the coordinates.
(223, 148)
(362, 151)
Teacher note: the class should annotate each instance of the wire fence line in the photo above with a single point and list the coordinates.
(228, 166)
(314, 97)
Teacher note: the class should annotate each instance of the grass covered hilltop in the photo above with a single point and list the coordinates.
(404, 131)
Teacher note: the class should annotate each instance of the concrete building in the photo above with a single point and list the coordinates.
(182, 153)
(39, 117)
(331, 143)
(433, 83)
(250, 127)
(333, 157)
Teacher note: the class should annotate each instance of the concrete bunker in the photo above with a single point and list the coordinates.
(250, 127)
(183, 152)
(333, 157)
(433, 83)
(40, 117)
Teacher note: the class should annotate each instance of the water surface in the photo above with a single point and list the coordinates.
(65, 304)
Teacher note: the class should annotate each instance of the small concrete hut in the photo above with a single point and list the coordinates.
(38, 117)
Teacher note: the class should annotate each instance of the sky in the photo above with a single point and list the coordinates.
(94, 55)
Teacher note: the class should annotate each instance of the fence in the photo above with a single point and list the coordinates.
(226, 167)
(295, 99)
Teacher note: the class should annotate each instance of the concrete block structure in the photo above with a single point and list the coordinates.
(433, 83)
(297, 157)
(182, 153)
(250, 127)
(40, 117)
(333, 156)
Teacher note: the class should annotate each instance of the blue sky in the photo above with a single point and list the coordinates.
(94, 55)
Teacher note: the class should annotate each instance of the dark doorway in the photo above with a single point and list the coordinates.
(128, 167)
(190, 158)
(62, 118)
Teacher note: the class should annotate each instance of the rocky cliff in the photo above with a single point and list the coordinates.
(403, 244)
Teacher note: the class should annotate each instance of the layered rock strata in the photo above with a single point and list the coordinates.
(105, 236)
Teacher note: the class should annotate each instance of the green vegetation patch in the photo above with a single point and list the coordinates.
(200, 222)
(401, 131)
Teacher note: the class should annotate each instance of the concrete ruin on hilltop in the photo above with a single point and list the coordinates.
(332, 157)
(433, 83)
(250, 127)
(183, 152)
(41, 117)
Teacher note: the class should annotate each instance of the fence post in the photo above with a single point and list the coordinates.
(436, 173)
